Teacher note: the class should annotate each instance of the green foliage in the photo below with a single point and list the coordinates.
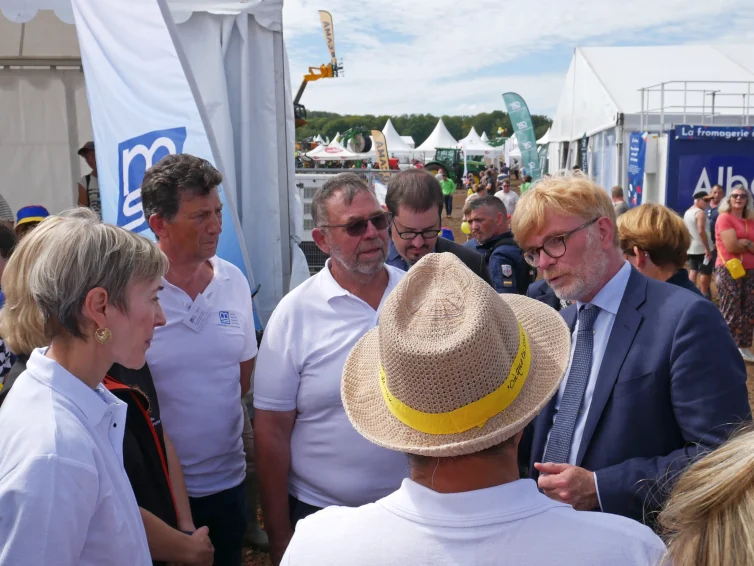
(418, 126)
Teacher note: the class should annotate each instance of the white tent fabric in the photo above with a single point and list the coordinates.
(604, 82)
(394, 142)
(332, 153)
(236, 53)
(474, 145)
(440, 137)
(484, 137)
(545, 139)
(409, 141)
(319, 139)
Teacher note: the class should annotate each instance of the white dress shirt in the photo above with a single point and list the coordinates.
(300, 364)
(507, 524)
(65, 498)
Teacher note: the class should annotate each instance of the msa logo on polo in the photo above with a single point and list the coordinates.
(225, 318)
(135, 156)
(229, 319)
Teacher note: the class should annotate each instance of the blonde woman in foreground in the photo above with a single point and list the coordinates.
(709, 518)
(91, 290)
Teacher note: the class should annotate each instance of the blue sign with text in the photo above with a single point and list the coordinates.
(697, 163)
(636, 153)
(714, 133)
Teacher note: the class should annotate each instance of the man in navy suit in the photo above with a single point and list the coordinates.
(654, 379)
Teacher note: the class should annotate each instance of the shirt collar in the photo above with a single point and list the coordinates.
(219, 268)
(520, 499)
(392, 251)
(93, 403)
(331, 288)
(610, 296)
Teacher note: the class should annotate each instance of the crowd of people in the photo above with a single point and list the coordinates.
(416, 401)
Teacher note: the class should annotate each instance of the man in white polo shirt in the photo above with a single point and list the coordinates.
(308, 454)
(202, 359)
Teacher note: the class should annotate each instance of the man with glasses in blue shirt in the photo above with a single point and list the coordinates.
(415, 200)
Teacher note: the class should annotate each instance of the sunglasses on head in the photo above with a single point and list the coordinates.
(359, 227)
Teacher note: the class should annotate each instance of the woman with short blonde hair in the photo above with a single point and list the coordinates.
(709, 518)
(655, 240)
(89, 290)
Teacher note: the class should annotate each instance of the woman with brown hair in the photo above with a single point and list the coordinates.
(734, 231)
(654, 240)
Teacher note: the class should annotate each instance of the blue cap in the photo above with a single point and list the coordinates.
(31, 213)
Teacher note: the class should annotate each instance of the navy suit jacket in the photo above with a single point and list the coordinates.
(541, 291)
(671, 386)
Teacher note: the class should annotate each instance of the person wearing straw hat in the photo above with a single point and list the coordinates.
(450, 377)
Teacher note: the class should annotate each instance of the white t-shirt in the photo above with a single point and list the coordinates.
(509, 200)
(506, 524)
(300, 364)
(198, 377)
(696, 247)
(64, 495)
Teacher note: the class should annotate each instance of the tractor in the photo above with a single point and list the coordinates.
(451, 160)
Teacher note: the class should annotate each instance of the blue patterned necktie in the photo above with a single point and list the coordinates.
(561, 435)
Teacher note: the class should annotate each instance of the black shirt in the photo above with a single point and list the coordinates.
(144, 456)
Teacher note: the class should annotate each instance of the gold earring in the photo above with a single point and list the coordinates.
(103, 335)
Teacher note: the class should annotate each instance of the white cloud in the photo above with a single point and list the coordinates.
(426, 55)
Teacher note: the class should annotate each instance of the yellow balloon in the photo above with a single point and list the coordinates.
(465, 228)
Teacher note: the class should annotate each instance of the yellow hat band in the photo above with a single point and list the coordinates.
(475, 414)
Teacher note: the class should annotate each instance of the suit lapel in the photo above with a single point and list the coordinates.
(626, 325)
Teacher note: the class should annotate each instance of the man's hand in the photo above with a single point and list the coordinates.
(202, 551)
(569, 484)
(278, 545)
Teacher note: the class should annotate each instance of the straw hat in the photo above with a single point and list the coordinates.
(453, 367)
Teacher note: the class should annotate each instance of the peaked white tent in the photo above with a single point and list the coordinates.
(236, 54)
(474, 145)
(440, 137)
(394, 142)
(484, 137)
(319, 139)
(601, 98)
(409, 141)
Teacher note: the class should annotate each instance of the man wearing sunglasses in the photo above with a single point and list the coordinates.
(309, 456)
(415, 199)
(641, 398)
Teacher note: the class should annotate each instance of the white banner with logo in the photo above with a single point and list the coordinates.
(144, 105)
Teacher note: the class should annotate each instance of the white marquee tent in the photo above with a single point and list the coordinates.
(601, 98)
(395, 143)
(474, 145)
(236, 53)
(440, 137)
(484, 137)
(332, 152)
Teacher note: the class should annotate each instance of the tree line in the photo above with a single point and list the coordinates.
(418, 126)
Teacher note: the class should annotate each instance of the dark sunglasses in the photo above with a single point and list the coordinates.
(739, 195)
(359, 227)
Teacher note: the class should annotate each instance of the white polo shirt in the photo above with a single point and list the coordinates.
(196, 371)
(300, 364)
(506, 524)
(64, 495)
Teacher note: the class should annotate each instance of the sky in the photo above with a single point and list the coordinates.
(458, 56)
